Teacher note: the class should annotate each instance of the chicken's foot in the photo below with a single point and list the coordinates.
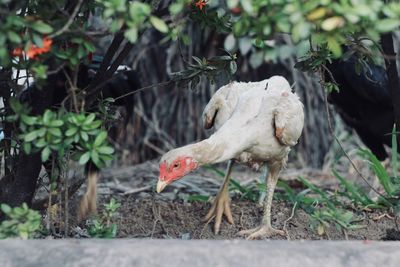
(265, 229)
(260, 232)
(221, 204)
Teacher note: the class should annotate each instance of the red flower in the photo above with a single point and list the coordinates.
(200, 4)
(33, 51)
(236, 10)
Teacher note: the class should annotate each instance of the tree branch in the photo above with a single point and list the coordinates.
(69, 22)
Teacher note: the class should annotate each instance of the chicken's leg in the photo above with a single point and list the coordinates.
(266, 229)
(221, 202)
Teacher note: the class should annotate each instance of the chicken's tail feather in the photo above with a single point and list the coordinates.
(88, 202)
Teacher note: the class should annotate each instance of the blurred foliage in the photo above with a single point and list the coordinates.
(31, 32)
(323, 22)
(20, 222)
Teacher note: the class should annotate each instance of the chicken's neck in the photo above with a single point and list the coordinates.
(208, 151)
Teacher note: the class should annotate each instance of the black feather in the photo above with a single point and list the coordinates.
(363, 102)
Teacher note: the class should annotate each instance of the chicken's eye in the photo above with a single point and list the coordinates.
(177, 165)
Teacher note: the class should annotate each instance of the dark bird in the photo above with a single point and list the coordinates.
(363, 101)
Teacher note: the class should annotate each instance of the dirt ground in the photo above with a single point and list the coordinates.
(145, 214)
(147, 218)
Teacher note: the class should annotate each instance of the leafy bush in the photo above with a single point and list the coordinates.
(21, 222)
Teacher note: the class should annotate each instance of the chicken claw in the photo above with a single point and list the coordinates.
(261, 232)
(220, 206)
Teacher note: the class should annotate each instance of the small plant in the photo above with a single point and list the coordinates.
(104, 226)
(343, 220)
(323, 207)
(22, 222)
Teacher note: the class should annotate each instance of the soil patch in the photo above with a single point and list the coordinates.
(145, 214)
(150, 218)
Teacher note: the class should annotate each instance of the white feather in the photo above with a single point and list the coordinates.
(244, 117)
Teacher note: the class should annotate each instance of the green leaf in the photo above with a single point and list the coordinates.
(354, 195)
(138, 10)
(84, 158)
(45, 154)
(256, 59)
(56, 123)
(27, 147)
(37, 40)
(85, 136)
(387, 25)
(29, 120)
(334, 46)
(41, 132)
(5, 208)
(55, 131)
(241, 27)
(95, 158)
(71, 131)
(94, 125)
(30, 136)
(105, 150)
(232, 3)
(14, 37)
(131, 34)
(175, 8)
(41, 143)
(15, 105)
(378, 169)
(90, 118)
(301, 31)
(47, 116)
(159, 24)
(230, 42)
(89, 46)
(100, 138)
(41, 27)
(247, 6)
(105, 157)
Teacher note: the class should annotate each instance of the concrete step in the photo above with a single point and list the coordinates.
(192, 253)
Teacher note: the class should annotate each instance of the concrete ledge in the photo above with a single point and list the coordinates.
(140, 252)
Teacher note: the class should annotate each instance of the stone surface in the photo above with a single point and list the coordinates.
(140, 252)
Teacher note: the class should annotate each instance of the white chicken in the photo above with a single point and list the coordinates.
(255, 123)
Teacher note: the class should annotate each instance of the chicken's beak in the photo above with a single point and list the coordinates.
(161, 185)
